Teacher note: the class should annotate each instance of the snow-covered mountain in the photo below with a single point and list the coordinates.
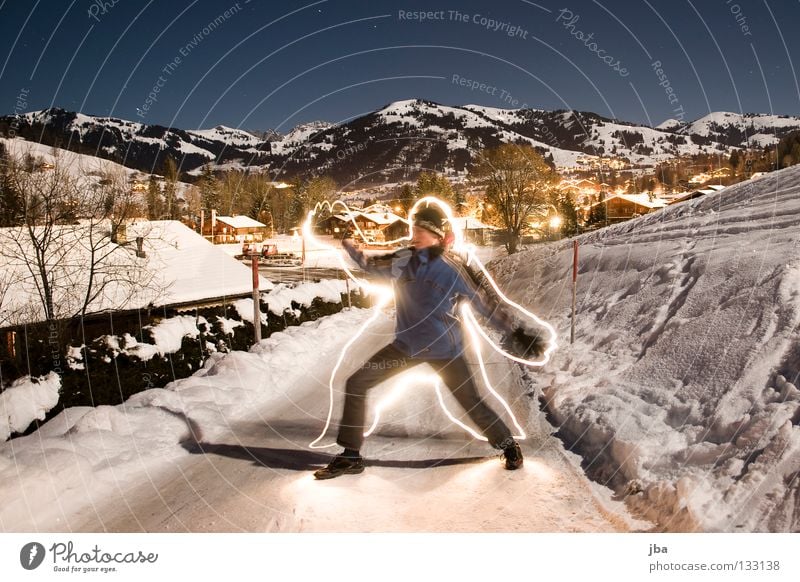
(748, 130)
(133, 144)
(399, 140)
(232, 137)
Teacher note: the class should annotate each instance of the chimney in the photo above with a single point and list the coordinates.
(140, 247)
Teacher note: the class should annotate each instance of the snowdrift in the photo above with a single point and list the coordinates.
(680, 390)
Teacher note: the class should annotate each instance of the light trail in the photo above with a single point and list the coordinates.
(474, 329)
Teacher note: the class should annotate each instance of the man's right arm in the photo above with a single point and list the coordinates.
(380, 265)
(355, 254)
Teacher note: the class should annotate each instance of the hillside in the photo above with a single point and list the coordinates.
(680, 391)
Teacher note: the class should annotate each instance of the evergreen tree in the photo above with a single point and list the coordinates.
(171, 209)
(155, 204)
(733, 161)
(568, 213)
(406, 198)
(431, 184)
(10, 201)
(597, 213)
(209, 189)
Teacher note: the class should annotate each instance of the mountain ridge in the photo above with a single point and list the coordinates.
(399, 139)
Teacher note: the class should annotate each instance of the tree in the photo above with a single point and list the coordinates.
(788, 150)
(306, 194)
(406, 198)
(597, 213)
(10, 202)
(431, 184)
(209, 189)
(171, 208)
(63, 251)
(568, 213)
(733, 161)
(518, 183)
(155, 202)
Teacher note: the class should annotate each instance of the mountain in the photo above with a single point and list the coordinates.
(399, 140)
(748, 130)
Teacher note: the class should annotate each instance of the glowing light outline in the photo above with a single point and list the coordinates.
(473, 327)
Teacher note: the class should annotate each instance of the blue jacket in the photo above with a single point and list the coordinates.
(427, 288)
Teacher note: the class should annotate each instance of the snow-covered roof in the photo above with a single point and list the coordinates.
(179, 266)
(241, 221)
(469, 223)
(380, 218)
(639, 199)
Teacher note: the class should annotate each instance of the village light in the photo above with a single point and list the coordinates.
(555, 222)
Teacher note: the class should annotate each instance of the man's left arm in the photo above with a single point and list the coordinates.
(515, 339)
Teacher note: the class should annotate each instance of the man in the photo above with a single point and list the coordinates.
(428, 284)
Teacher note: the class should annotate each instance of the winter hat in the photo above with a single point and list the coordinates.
(430, 218)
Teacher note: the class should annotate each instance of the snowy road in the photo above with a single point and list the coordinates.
(423, 474)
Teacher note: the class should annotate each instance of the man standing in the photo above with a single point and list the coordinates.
(428, 285)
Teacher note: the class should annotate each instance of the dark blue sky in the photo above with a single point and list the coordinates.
(266, 64)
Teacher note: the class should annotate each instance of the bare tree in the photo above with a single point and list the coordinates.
(69, 252)
(518, 183)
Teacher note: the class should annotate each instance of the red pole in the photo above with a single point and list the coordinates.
(574, 288)
(256, 299)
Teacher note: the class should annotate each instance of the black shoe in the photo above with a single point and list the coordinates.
(341, 465)
(512, 456)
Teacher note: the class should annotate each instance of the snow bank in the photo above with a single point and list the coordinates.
(168, 336)
(26, 400)
(280, 298)
(680, 389)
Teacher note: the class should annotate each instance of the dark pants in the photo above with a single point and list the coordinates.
(389, 362)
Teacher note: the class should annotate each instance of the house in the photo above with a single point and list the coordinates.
(625, 206)
(710, 189)
(164, 263)
(165, 267)
(474, 230)
(234, 229)
(378, 227)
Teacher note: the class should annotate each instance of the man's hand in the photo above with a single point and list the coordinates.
(522, 345)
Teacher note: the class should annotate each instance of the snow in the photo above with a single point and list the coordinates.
(680, 390)
(87, 169)
(189, 148)
(26, 400)
(180, 266)
(753, 122)
(113, 468)
(240, 221)
(281, 297)
(298, 138)
(681, 381)
(167, 334)
(670, 125)
(228, 135)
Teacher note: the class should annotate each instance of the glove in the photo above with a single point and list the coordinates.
(522, 345)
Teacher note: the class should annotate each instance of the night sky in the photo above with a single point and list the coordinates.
(261, 64)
